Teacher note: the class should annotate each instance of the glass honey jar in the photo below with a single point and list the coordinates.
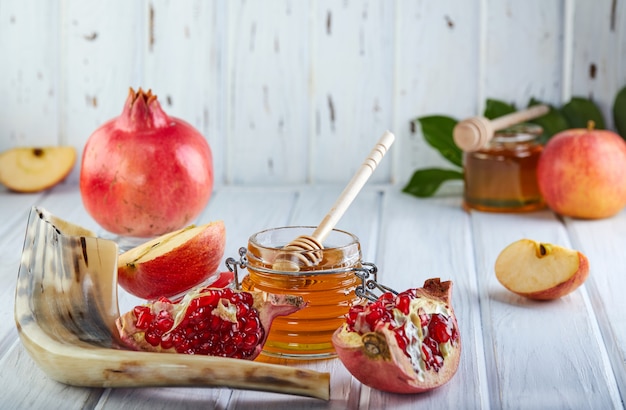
(502, 176)
(328, 287)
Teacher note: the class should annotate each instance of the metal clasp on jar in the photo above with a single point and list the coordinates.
(367, 273)
(232, 264)
(369, 282)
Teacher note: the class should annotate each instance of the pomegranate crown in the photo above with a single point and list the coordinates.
(142, 110)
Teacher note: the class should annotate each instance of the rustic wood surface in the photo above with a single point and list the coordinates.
(291, 95)
(517, 353)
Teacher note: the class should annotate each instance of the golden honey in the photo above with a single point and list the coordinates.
(502, 177)
(328, 287)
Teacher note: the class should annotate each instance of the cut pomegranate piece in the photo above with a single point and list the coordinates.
(209, 321)
(404, 343)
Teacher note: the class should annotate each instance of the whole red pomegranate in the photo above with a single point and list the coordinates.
(145, 173)
(210, 321)
(404, 343)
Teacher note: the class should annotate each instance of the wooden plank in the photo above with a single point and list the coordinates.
(437, 72)
(352, 75)
(563, 361)
(29, 92)
(524, 50)
(267, 107)
(19, 391)
(603, 243)
(599, 53)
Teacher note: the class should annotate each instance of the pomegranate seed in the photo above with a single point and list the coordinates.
(229, 350)
(211, 298)
(164, 321)
(433, 359)
(153, 338)
(247, 298)
(253, 324)
(144, 317)
(167, 341)
(439, 329)
(250, 341)
(238, 340)
(403, 303)
(373, 317)
(424, 318)
(386, 298)
(402, 340)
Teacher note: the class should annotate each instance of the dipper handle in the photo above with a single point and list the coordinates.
(354, 186)
(304, 250)
(474, 133)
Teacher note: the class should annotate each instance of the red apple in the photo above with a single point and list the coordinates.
(33, 169)
(541, 271)
(173, 263)
(582, 173)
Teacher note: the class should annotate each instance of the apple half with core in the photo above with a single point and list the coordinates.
(173, 263)
(33, 169)
(539, 270)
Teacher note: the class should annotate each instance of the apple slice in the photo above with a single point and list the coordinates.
(173, 263)
(31, 169)
(541, 270)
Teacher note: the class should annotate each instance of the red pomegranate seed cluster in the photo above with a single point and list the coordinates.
(436, 328)
(203, 332)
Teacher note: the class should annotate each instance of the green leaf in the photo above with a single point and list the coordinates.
(552, 122)
(437, 130)
(619, 112)
(425, 182)
(579, 111)
(495, 109)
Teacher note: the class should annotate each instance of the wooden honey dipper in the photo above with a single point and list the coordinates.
(474, 133)
(305, 249)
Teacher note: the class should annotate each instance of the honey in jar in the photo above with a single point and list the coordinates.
(328, 287)
(502, 176)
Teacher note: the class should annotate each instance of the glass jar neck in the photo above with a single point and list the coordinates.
(341, 250)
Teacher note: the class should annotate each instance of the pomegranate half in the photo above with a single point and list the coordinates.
(208, 321)
(404, 343)
(145, 173)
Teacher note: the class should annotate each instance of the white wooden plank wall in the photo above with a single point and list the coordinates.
(291, 92)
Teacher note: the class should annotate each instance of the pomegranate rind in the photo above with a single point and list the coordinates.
(376, 360)
(268, 305)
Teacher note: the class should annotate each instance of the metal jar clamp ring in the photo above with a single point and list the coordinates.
(367, 273)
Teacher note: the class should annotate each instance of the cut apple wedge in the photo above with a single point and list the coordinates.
(539, 270)
(173, 263)
(31, 169)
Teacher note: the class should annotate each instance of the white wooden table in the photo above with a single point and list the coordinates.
(569, 353)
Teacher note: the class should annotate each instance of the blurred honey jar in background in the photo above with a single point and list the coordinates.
(500, 161)
(502, 176)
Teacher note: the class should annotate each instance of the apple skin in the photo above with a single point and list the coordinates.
(178, 269)
(582, 173)
(541, 271)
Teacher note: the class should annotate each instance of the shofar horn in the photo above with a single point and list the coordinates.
(65, 311)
